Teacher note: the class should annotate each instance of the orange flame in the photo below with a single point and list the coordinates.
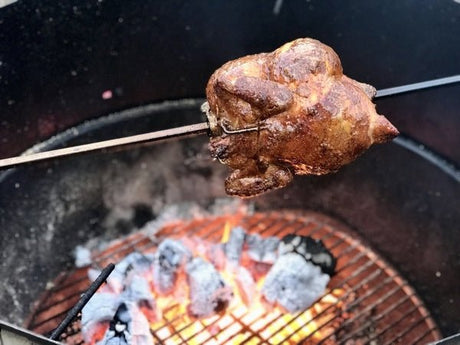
(282, 328)
(226, 232)
(249, 324)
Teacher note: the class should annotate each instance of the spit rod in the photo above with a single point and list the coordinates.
(190, 130)
(418, 86)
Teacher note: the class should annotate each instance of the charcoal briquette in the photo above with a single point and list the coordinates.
(169, 259)
(208, 292)
(294, 283)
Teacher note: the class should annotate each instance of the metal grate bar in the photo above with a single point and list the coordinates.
(205, 327)
(369, 293)
(75, 293)
(423, 336)
(155, 336)
(384, 313)
(365, 281)
(235, 320)
(247, 328)
(406, 331)
(73, 282)
(285, 227)
(123, 247)
(61, 279)
(49, 319)
(362, 313)
(177, 332)
(394, 323)
(329, 290)
(183, 328)
(68, 300)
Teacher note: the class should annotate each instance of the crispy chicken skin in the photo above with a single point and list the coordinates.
(289, 112)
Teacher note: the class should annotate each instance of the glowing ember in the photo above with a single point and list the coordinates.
(282, 328)
(366, 300)
(226, 232)
(197, 304)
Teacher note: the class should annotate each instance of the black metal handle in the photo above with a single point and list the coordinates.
(85, 297)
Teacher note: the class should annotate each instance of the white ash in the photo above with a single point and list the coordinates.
(101, 307)
(294, 283)
(93, 274)
(128, 326)
(234, 246)
(118, 332)
(209, 293)
(138, 291)
(82, 256)
(126, 284)
(312, 250)
(138, 262)
(262, 249)
(170, 256)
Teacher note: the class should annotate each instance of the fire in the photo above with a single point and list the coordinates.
(247, 320)
(99, 333)
(226, 232)
(260, 321)
(276, 325)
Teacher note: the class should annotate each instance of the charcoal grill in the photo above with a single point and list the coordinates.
(370, 300)
(397, 204)
(83, 201)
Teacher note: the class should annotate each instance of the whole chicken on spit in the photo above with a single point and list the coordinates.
(291, 111)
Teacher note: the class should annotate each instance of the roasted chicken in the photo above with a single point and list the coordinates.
(291, 111)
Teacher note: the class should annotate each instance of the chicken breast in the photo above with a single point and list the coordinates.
(292, 111)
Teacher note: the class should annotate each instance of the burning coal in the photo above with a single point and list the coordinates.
(289, 274)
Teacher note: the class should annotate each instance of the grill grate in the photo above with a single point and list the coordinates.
(366, 302)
